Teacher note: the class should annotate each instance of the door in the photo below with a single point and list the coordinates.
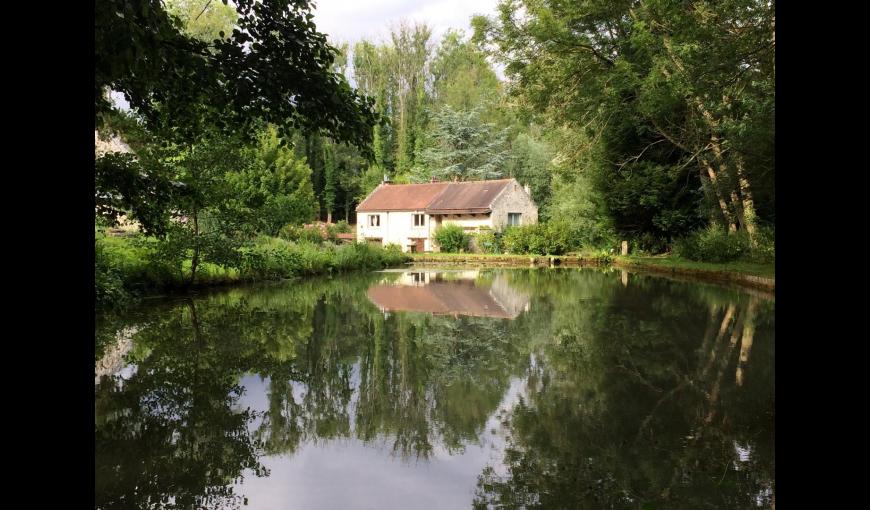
(419, 245)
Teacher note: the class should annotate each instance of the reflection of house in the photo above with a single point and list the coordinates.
(459, 295)
(409, 214)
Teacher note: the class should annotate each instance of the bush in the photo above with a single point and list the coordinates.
(343, 227)
(713, 244)
(270, 258)
(490, 242)
(556, 238)
(451, 238)
(301, 234)
(109, 290)
(765, 249)
(648, 243)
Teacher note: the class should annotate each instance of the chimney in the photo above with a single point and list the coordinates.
(386, 179)
(528, 190)
(432, 179)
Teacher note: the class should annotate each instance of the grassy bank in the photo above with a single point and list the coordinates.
(748, 274)
(127, 267)
(677, 263)
(508, 260)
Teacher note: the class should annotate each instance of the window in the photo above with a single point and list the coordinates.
(419, 220)
(374, 220)
(514, 218)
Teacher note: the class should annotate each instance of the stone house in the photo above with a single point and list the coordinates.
(409, 214)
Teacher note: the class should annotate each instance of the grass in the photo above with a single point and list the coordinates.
(670, 261)
(763, 270)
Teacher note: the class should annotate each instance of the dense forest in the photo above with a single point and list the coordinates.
(651, 122)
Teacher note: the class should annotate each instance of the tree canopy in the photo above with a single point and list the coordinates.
(273, 66)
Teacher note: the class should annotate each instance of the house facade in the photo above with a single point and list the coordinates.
(409, 214)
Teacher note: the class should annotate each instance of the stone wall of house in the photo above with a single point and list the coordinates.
(513, 199)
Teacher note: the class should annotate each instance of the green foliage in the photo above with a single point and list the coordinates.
(712, 244)
(124, 185)
(554, 238)
(130, 266)
(179, 83)
(274, 188)
(530, 162)
(270, 258)
(576, 200)
(490, 241)
(463, 79)
(343, 227)
(204, 22)
(451, 238)
(664, 106)
(109, 290)
(297, 233)
(464, 147)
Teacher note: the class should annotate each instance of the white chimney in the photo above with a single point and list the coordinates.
(528, 190)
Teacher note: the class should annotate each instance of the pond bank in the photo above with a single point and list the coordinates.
(746, 275)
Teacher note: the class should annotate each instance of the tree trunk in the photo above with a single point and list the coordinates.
(195, 261)
(747, 203)
(717, 192)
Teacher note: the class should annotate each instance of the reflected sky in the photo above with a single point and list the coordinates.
(531, 388)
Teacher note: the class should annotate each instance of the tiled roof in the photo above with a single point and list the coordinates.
(467, 197)
(435, 198)
(402, 197)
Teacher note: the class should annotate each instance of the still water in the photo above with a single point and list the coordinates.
(523, 388)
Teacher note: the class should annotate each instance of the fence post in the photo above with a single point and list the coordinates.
(625, 247)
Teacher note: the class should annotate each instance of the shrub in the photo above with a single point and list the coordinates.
(554, 238)
(648, 243)
(109, 290)
(712, 244)
(270, 258)
(765, 249)
(300, 234)
(451, 238)
(343, 227)
(490, 242)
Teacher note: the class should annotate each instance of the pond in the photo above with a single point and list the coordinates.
(502, 388)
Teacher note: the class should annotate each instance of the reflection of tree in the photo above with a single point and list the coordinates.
(620, 382)
(169, 437)
(619, 412)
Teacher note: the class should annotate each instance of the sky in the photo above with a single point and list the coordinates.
(352, 20)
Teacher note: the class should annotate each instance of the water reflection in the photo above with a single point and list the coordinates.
(455, 293)
(594, 394)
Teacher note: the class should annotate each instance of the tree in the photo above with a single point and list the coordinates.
(464, 80)
(207, 227)
(662, 90)
(204, 19)
(275, 189)
(274, 66)
(464, 147)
